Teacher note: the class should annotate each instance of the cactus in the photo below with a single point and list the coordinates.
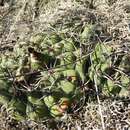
(35, 99)
(67, 87)
(5, 97)
(49, 101)
(56, 111)
(88, 32)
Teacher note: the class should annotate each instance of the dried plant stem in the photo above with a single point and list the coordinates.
(99, 103)
(97, 94)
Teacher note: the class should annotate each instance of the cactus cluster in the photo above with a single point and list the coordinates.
(111, 70)
(42, 78)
